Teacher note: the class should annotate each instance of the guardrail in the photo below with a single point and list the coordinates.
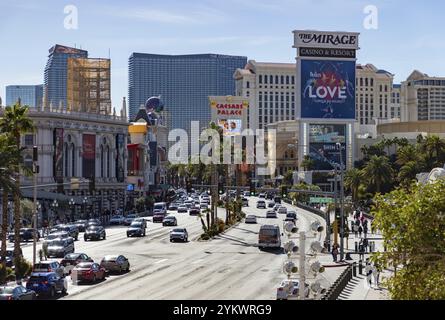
(340, 284)
(317, 212)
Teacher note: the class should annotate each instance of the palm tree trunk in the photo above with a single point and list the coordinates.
(17, 218)
(4, 226)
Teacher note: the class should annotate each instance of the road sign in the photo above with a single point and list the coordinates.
(321, 200)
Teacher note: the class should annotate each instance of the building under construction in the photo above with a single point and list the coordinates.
(89, 85)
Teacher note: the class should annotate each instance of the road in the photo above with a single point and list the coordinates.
(227, 267)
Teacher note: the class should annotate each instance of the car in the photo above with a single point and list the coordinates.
(251, 219)
(142, 220)
(245, 202)
(72, 259)
(170, 221)
(203, 206)
(80, 224)
(269, 237)
(16, 292)
(26, 234)
(158, 218)
(97, 221)
(160, 208)
(276, 207)
(271, 214)
(270, 196)
(195, 211)
(48, 266)
(271, 204)
(182, 208)
(261, 204)
(47, 284)
(115, 263)
(88, 271)
(117, 220)
(262, 196)
(290, 288)
(189, 204)
(136, 228)
(71, 229)
(95, 233)
(59, 247)
(277, 199)
(129, 219)
(179, 234)
(246, 193)
(291, 216)
(282, 210)
(173, 207)
(9, 258)
(56, 235)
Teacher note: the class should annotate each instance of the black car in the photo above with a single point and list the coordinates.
(195, 211)
(26, 234)
(170, 221)
(80, 224)
(94, 233)
(137, 228)
(71, 229)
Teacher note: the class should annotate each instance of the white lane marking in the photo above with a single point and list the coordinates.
(197, 261)
(160, 261)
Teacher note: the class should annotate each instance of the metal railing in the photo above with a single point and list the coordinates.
(340, 284)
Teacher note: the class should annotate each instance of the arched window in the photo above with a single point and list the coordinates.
(101, 161)
(65, 156)
(73, 160)
(108, 162)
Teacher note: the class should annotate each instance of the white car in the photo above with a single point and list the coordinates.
(117, 220)
(277, 206)
(182, 208)
(282, 210)
(271, 214)
(251, 219)
(261, 204)
(290, 289)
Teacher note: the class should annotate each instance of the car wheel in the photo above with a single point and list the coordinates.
(186, 240)
(105, 236)
(128, 268)
(85, 238)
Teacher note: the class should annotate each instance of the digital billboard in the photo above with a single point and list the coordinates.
(323, 148)
(89, 156)
(120, 145)
(327, 89)
(58, 154)
(231, 127)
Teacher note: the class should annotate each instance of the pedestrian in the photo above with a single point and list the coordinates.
(376, 274)
(365, 244)
(355, 230)
(335, 252)
(361, 250)
(368, 273)
(365, 230)
(360, 230)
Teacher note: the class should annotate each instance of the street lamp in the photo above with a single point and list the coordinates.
(54, 205)
(72, 203)
(342, 195)
(84, 202)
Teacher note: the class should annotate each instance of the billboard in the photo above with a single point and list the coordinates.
(89, 156)
(323, 150)
(120, 151)
(58, 154)
(325, 39)
(327, 89)
(231, 127)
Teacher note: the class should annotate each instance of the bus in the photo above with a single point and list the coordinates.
(269, 237)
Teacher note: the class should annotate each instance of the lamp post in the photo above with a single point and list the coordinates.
(54, 205)
(342, 196)
(84, 202)
(72, 203)
(35, 169)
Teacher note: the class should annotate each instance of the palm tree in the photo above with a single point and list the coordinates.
(307, 163)
(435, 148)
(407, 154)
(408, 173)
(353, 180)
(15, 122)
(377, 172)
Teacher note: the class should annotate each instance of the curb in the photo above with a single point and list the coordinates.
(213, 238)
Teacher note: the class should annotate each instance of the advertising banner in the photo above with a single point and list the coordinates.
(325, 39)
(89, 156)
(231, 127)
(323, 148)
(58, 154)
(327, 89)
(230, 113)
(153, 146)
(120, 151)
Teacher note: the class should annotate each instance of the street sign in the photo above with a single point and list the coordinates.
(321, 200)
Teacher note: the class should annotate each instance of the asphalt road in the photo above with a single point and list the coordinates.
(228, 267)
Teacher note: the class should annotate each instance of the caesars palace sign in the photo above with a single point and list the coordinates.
(322, 39)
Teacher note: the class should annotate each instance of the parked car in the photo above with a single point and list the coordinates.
(182, 208)
(170, 221)
(48, 266)
(71, 229)
(47, 283)
(115, 263)
(95, 233)
(16, 292)
(137, 228)
(261, 204)
(251, 219)
(158, 218)
(195, 211)
(117, 220)
(179, 234)
(271, 214)
(290, 288)
(88, 271)
(72, 259)
(10, 257)
(282, 210)
(26, 234)
(129, 219)
(271, 204)
(60, 247)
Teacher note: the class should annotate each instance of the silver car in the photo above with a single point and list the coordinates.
(179, 234)
(60, 247)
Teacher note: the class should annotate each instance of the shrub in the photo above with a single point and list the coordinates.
(6, 274)
(205, 236)
(221, 225)
(22, 268)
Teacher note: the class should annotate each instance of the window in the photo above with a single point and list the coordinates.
(29, 140)
(366, 82)
(287, 79)
(293, 79)
(261, 78)
(65, 155)
(265, 79)
(276, 80)
(248, 85)
(361, 82)
(372, 82)
(282, 80)
(271, 79)
(73, 160)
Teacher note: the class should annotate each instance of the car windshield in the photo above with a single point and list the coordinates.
(269, 232)
(57, 243)
(178, 230)
(93, 228)
(136, 224)
(6, 290)
(41, 265)
(71, 256)
(169, 218)
(110, 258)
(159, 207)
(250, 217)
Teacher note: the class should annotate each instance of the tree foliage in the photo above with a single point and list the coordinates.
(413, 225)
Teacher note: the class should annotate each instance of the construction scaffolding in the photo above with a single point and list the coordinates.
(89, 85)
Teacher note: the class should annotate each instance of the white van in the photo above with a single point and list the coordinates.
(160, 208)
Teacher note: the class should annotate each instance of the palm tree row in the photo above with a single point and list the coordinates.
(382, 170)
(13, 123)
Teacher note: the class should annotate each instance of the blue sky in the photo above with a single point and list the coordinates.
(409, 35)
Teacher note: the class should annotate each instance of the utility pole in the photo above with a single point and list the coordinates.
(302, 284)
(34, 205)
(335, 206)
(342, 213)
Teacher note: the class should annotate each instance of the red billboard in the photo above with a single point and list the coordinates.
(89, 156)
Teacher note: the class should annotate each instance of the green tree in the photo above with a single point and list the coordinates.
(433, 149)
(408, 173)
(413, 222)
(378, 172)
(353, 179)
(407, 154)
(288, 178)
(308, 163)
(15, 122)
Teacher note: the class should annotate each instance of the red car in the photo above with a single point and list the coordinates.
(72, 259)
(158, 218)
(88, 271)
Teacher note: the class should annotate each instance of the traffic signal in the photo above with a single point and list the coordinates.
(252, 189)
(220, 188)
(284, 191)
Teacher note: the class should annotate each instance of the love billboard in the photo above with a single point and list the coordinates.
(327, 89)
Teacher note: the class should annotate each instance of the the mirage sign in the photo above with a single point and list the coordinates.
(323, 39)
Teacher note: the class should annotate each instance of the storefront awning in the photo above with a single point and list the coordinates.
(46, 195)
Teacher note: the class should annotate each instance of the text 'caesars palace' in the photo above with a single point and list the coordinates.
(322, 103)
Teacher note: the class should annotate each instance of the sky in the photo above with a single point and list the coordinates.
(409, 34)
